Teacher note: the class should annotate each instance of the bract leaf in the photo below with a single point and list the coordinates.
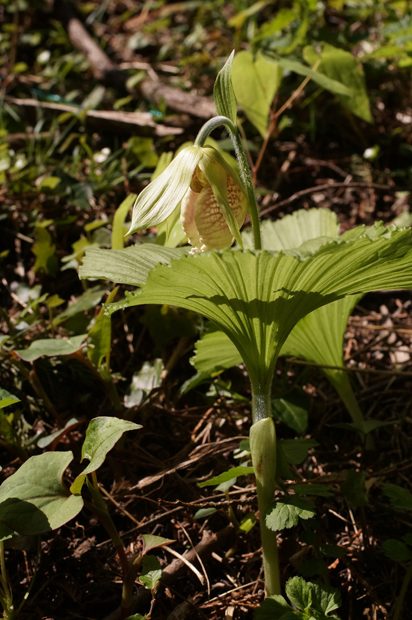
(234, 472)
(101, 436)
(257, 298)
(128, 266)
(223, 93)
(255, 82)
(51, 347)
(160, 198)
(34, 499)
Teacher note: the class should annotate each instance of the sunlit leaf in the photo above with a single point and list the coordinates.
(7, 399)
(342, 66)
(151, 572)
(100, 336)
(232, 473)
(34, 499)
(101, 436)
(51, 347)
(285, 513)
(122, 212)
(255, 82)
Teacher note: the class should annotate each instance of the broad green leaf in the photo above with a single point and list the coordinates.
(223, 93)
(122, 212)
(52, 347)
(5, 532)
(248, 522)
(291, 413)
(285, 513)
(299, 593)
(354, 488)
(44, 250)
(400, 498)
(296, 450)
(128, 266)
(7, 399)
(343, 67)
(34, 499)
(396, 550)
(232, 473)
(153, 542)
(283, 18)
(99, 338)
(101, 436)
(215, 352)
(255, 82)
(333, 85)
(257, 298)
(151, 572)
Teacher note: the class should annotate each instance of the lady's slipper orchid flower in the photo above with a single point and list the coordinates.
(208, 192)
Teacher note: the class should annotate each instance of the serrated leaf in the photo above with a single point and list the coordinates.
(299, 593)
(342, 66)
(255, 82)
(232, 473)
(101, 436)
(151, 572)
(7, 399)
(354, 488)
(399, 497)
(272, 608)
(153, 542)
(324, 598)
(51, 347)
(223, 93)
(396, 550)
(34, 499)
(285, 513)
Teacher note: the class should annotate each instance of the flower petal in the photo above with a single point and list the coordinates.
(159, 199)
(187, 218)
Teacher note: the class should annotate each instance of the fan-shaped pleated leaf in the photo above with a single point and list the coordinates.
(257, 298)
(129, 266)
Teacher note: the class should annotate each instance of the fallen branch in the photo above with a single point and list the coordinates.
(107, 72)
(175, 569)
(123, 122)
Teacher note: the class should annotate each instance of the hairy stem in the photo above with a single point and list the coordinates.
(245, 172)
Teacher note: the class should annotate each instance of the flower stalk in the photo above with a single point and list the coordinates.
(245, 172)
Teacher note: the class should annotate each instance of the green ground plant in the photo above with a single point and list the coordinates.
(255, 297)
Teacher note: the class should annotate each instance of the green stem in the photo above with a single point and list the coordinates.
(402, 593)
(263, 450)
(245, 173)
(7, 602)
